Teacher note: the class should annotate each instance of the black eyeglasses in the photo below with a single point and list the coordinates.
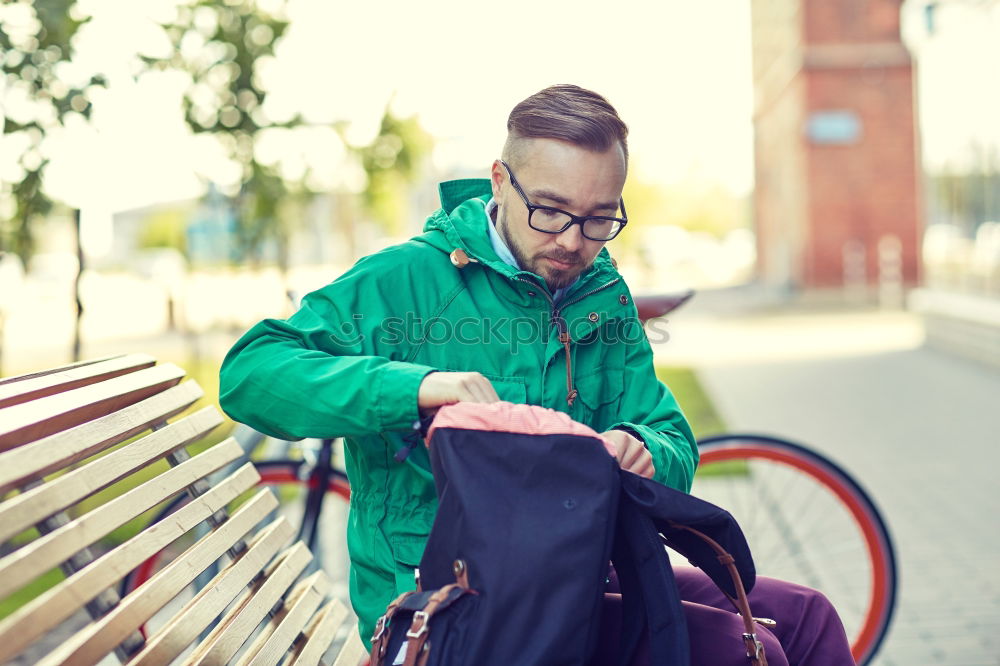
(551, 220)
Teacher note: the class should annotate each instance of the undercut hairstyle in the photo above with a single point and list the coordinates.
(567, 113)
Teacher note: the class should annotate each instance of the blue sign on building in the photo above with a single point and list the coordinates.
(833, 127)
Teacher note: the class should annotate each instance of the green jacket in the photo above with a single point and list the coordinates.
(350, 361)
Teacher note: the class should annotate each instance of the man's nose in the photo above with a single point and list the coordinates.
(572, 239)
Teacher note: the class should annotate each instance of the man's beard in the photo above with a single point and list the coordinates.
(555, 278)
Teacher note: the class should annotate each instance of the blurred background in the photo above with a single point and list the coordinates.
(199, 160)
(826, 174)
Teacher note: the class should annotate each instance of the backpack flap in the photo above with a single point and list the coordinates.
(533, 515)
(668, 508)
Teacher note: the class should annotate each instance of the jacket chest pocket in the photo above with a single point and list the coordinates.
(599, 399)
(599, 375)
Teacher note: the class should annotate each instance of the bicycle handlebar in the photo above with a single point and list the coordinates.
(657, 305)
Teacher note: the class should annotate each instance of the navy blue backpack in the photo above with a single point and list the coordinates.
(532, 508)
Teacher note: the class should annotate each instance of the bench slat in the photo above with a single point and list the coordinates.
(98, 639)
(33, 461)
(277, 637)
(353, 651)
(61, 368)
(50, 422)
(48, 551)
(185, 626)
(25, 388)
(39, 503)
(28, 623)
(237, 626)
(320, 633)
(33, 420)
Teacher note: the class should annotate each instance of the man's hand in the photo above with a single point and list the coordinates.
(632, 454)
(446, 388)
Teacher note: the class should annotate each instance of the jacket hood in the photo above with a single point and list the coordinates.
(460, 224)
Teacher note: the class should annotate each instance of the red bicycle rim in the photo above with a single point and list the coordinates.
(276, 476)
(878, 602)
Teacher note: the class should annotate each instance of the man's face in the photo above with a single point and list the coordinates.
(559, 174)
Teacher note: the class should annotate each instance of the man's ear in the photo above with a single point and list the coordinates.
(496, 178)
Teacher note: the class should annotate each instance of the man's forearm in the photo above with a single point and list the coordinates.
(284, 389)
(674, 452)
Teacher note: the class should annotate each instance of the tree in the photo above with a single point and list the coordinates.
(392, 163)
(222, 47)
(42, 91)
(226, 48)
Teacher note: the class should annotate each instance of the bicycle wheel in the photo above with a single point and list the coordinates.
(295, 483)
(809, 522)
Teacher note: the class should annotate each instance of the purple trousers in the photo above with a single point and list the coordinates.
(808, 629)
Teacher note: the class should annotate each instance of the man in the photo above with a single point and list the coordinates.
(509, 294)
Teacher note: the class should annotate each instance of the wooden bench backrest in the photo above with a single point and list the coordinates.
(68, 433)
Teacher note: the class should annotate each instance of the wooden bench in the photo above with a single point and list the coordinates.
(68, 433)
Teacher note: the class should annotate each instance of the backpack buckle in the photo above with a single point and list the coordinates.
(379, 628)
(419, 625)
(755, 649)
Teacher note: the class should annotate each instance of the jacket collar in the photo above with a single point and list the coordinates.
(453, 193)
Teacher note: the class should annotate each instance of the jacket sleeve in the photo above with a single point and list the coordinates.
(323, 372)
(650, 412)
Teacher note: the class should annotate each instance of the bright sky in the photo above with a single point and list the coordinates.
(678, 72)
(958, 80)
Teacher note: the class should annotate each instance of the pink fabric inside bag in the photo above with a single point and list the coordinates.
(513, 418)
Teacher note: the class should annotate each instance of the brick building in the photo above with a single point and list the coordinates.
(835, 144)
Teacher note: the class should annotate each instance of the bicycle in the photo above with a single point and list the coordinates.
(807, 521)
(790, 500)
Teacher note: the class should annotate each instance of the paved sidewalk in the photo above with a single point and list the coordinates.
(919, 429)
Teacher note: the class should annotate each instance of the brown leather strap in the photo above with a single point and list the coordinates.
(416, 637)
(380, 639)
(420, 655)
(755, 649)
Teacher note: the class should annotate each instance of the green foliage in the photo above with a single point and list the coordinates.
(259, 220)
(399, 146)
(691, 204)
(164, 229)
(392, 163)
(36, 43)
(30, 203)
(646, 205)
(222, 46)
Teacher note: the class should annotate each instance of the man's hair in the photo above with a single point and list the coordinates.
(567, 113)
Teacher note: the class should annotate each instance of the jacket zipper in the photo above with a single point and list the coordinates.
(564, 337)
(594, 291)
